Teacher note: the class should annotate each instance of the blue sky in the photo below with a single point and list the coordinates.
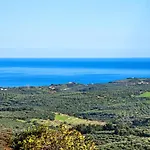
(74, 28)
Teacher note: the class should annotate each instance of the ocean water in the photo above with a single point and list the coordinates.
(36, 72)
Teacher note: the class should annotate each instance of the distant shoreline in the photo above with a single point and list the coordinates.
(76, 83)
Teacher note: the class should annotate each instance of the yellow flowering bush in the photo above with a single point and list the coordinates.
(44, 138)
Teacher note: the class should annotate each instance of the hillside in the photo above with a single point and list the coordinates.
(122, 105)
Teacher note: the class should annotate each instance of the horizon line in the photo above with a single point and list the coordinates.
(74, 57)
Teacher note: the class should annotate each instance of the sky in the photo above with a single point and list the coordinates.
(74, 28)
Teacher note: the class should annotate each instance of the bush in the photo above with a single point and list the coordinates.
(109, 126)
(44, 138)
(86, 129)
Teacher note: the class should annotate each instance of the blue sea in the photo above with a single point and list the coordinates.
(37, 72)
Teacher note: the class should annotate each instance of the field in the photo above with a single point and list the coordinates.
(146, 94)
(75, 121)
(63, 119)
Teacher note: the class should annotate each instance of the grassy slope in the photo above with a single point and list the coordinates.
(69, 120)
(74, 120)
(146, 94)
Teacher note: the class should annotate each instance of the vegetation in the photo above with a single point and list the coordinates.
(115, 115)
(146, 94)
(74, 120)
(51, 139)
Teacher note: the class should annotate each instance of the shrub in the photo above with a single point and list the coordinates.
(44, 138)
(109, 126)
(86, 129)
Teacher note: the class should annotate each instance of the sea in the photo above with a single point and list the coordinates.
(16, 72)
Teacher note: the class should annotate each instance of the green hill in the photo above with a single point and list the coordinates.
(122, 105)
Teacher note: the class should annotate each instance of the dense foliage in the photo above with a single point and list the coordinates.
(45, 138)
